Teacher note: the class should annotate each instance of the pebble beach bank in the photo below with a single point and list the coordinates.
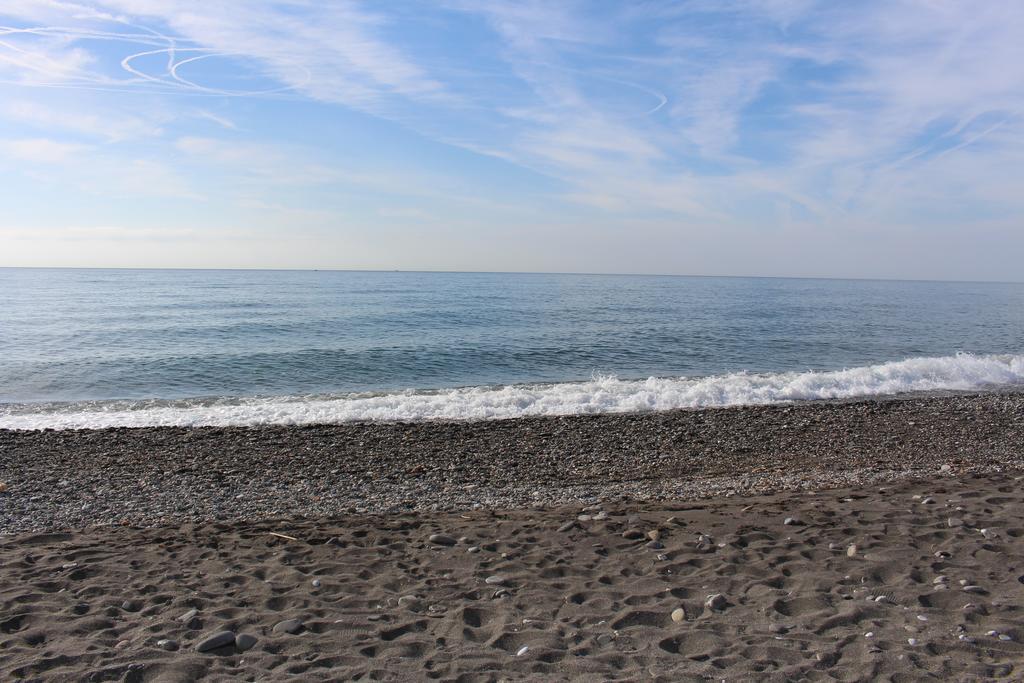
(166, 475)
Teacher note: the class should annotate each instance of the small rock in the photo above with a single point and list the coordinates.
(778, 628)
(167, 644)
(245, 641)
(912, 641)
(122, 644)
(973, 589)
(189, 615)
(940, 579)
(791, 521)
(716, 601)
(1005, 636)
(215, 641)
(632, 534)
(410, 602)
(928, 501)
(679, 615)
(869, 634)
(316, 583)
(472, 550)
(495, 580)
(442, 539)
(851, 551)
(131, 605)
(954, 522)
(654, 535)
(291, 626)
(523, 650)
(568, 526)
(655, 545)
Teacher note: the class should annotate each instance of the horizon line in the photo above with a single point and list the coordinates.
(518, 272)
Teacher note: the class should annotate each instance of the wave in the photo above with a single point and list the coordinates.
(602, 394)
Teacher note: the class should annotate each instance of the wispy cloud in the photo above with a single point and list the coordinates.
(710, 114)
(40, 150)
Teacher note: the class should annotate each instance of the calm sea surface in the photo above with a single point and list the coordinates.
(125, 341)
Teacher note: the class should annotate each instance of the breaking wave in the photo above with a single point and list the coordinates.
(602, 394)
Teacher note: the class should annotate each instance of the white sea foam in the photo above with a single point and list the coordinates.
(600, 395)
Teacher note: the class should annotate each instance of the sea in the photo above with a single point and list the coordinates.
(104, 348)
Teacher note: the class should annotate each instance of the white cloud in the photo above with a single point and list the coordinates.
(40, 150)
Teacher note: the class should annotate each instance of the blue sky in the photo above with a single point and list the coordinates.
(783, 137)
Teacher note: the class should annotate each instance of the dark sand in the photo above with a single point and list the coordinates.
(935, 506)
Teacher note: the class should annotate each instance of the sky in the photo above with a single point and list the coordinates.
(707, 137)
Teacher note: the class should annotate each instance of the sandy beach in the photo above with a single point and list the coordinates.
(859, 540)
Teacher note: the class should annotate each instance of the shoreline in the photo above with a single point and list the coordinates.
(815, 541)
(152, 476)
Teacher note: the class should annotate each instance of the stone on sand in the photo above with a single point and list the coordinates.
(216, 640)
(442, 539)
(291, 626)
(245, 641)
(716, 601)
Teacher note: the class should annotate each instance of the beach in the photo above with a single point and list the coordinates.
(845, 540)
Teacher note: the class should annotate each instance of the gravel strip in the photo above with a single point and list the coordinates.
(165, 475)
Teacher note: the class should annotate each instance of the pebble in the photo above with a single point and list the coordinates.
(442, 539)
(472, 550)
(954, 522)
(122, 644)
(188, 616)
(291, 626)
(973, 589)
(316, 583)
(167, 644)
(410, 602)
(496, 580)
(131, 605)
(912, 641)
(778, 628)
(245, 641)
(654, 535)
(212, 642)
(716, 601)
(679, 615)
(523, 650)
(655, 545)
(632, 534)
(869, 634)
(851, 551)
(568, 526)
(1005, 636)
(791, 521)
(940, 579)
(928, 501)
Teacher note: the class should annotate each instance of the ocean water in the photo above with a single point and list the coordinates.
(94, 348)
